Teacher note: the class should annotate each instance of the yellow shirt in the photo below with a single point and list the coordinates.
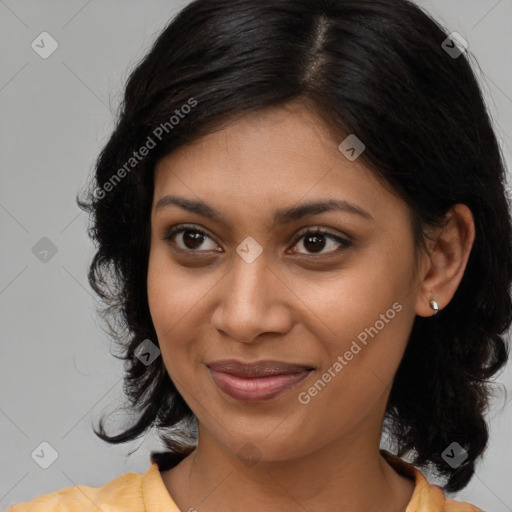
(134, 492)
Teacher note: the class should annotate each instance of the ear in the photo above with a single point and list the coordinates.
(448, 250)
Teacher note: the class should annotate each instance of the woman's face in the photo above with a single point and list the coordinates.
(256, 286)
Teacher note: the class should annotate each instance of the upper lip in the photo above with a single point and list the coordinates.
(256, 369)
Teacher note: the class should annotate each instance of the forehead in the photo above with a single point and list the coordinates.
(269, 143)
(285, 132)
(279, 156)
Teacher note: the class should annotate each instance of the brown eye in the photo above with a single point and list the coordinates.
(314, 242)
(191, 239)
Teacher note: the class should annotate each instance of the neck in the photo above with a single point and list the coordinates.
(348, 474)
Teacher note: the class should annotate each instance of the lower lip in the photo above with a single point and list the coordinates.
(256, 389)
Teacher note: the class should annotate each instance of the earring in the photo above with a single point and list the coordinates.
(434, 306)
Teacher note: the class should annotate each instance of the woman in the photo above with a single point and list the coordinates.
(304, 239)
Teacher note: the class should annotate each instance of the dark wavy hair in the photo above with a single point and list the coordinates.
(375, 68)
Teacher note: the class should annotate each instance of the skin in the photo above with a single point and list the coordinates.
(297, 307)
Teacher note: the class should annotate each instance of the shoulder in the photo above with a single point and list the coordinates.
(426, 496)
(123, 491)
(459, 506)
(431, 498)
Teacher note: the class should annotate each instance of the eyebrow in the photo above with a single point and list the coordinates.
(281, 216)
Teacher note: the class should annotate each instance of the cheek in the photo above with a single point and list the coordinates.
(358, 370)
(355, 299)
(369, 313)
(160, 292)
(177, 302)
(168, 304)
(171, 291)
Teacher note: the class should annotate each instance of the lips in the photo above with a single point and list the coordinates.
(254, 382)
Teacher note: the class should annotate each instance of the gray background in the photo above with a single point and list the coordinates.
(56, 373)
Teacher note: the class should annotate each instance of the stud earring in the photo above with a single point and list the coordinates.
(434, 306)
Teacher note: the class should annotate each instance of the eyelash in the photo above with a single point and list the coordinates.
(344, 243)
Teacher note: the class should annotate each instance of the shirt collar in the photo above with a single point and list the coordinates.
(426, 497)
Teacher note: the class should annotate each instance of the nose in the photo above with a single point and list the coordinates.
(254, 300)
